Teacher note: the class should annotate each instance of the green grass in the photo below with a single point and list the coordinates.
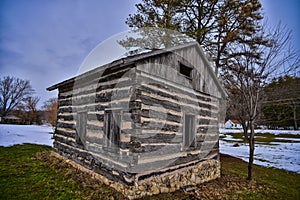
(278, 184)
(24, 177)
(262, 138)
(27, 173)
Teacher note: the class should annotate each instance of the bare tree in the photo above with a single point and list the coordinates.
(13, 91)
(248, 76)
(235, 109)
(50, 109)
(30, 110)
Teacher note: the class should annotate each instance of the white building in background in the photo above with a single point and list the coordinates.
(232, 124)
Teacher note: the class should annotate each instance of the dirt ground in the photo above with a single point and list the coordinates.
(223, 188)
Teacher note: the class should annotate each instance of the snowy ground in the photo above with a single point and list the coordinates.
(282, 155)
(19, 134)
(274, 132)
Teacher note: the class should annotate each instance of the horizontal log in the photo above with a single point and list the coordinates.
(202, 155)
(159, 149)
(157, 138)
(66, 88)
(160, 126)
(95, 107)
(147, 113)
(66, 117)
(68, 141)
(129, 145)
(90, 88)
(115, 86)
(94, 78)
(58, 131)
(99, 77)
(65, 110)
(96, 164)
(104, 154)
(66, 125)
(62, 102)
(141, 78)
(101, 97)
(130, 131)
(65, 95)
(150, 101)
(94, 127)
(178, 97)
(204, 121)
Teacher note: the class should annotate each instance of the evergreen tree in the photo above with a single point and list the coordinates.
(218, 25)
(282, 105)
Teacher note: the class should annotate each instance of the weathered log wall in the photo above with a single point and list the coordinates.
(152, 97)
(93, 93)
(166, 96)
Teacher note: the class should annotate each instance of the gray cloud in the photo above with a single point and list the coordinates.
(46, 41)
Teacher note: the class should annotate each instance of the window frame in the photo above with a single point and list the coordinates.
(183, 68)
(112, 125)
(81, 126)
(191, 143)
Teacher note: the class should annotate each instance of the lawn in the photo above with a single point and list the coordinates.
(263, 138)
(29, 172)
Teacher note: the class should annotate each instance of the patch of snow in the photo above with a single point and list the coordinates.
(274, 132)
(230, 137)
(259, 136)
(279, 155)
(288, 139)
(19, 134)
(277, 132)
(224, 131)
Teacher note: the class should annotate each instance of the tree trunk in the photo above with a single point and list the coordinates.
(245, 131)
(295, 118)
(251, 153)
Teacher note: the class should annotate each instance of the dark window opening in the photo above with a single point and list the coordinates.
(81, 127)
(112, 124)
(189, 131)
(185, 70)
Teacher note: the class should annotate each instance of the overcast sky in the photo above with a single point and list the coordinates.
(46, 41)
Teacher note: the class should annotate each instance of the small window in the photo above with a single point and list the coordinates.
(112, 124)
(185, 70)
(189, 131)
(81, 127)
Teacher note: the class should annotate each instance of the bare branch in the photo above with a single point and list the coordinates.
(13, 91)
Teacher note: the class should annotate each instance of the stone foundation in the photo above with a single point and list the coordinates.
(190, 176)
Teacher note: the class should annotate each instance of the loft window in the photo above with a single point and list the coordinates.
(185, 70)
(189, 131)
(81, 127)
(112, 124)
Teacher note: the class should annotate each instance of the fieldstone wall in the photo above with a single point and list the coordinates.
(190, 176)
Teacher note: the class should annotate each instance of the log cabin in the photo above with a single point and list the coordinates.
(146, 123)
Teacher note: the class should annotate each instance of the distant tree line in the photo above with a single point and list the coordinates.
(19, 105)
(282, 105)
